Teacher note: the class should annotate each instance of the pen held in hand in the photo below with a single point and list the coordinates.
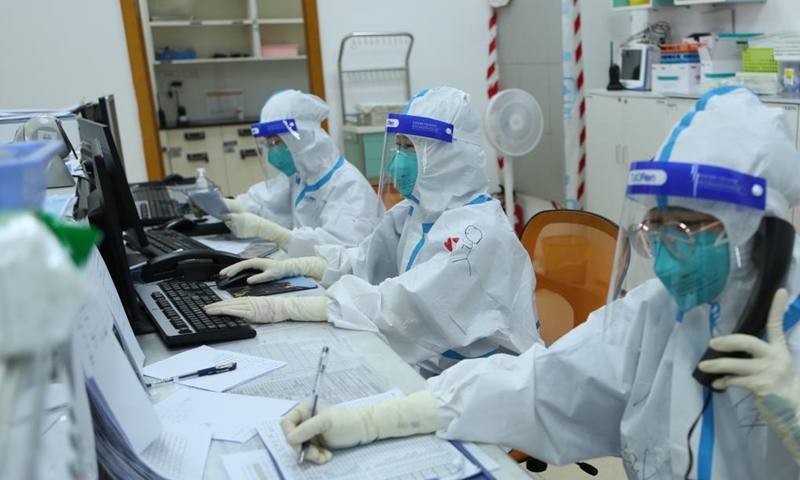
(203, 372)
(323, 361)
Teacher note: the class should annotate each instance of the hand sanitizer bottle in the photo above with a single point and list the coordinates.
(202, 181)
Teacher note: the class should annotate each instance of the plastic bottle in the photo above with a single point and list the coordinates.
(202, 181)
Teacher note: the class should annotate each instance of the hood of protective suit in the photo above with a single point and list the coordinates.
(314, 152)
(449, 174)
(730, 127)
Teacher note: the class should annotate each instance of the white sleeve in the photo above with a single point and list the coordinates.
(441, 304)
(374, 259)
(563, 404)
(271, 200)
(348, 217)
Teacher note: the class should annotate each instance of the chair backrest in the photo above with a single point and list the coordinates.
(573, 256)
(391, 196)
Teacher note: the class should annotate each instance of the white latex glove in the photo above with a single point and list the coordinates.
(274, 269)
(249, 225)
(272, 309)
(337, 427)
(234, 206)
(770, 374)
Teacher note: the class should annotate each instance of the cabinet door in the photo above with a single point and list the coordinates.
(791, 113)
(605, 176)
(191, 149)
(241, 159)
(642, 129)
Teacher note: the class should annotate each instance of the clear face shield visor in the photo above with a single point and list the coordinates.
(273, 153)
(399, 161)
(674, 225)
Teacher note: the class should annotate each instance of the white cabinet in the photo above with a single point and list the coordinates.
(241, 160)
(620, 130)
(674, 111)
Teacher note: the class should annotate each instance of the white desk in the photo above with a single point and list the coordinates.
(376, 354)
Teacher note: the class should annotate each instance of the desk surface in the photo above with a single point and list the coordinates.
(376, 354)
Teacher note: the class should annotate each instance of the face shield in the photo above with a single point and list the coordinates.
(400, 164)
(680, 224)
(272, 150)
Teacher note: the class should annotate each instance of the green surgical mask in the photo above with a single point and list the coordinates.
(403, 169)
(699, 277)
(281, 158)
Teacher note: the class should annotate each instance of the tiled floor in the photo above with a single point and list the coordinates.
(608, 468)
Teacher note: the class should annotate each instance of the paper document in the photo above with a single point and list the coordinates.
(412, 458)
(224, 243)
(248, 367)
(97, 274)
(231, 417)
(255, 465)
(180, 452)
(59, 205)
(346, 377)
(210, 201)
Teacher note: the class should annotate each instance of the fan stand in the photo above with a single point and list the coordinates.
(508, 184)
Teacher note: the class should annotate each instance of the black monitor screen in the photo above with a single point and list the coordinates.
(631, 65)
(103, 214)
(120, 191)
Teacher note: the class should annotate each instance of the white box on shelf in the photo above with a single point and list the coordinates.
(675, 77)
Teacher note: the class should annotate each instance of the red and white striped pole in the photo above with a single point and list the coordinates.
(574, 104)
(492, 74)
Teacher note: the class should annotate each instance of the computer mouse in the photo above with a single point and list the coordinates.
(172, 179)
(238, 280)
(180, 224)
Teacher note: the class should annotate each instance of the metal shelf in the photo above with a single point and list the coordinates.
(196, 61)
(200, 23)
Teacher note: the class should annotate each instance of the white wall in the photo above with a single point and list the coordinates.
(451, 42)
(56, 53)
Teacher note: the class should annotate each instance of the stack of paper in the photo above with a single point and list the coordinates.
(248, 367)
(131, 441)
(346, 377)
(231, 417)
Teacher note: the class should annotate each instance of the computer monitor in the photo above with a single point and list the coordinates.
(104, 111)
(120, 192)
(104, 215)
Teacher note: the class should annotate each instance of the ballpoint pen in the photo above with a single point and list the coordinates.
(323, 361)
(227, 367)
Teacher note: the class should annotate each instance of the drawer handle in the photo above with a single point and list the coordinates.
(244, 132)
(197, 157)
(229, 143)
(248, 152)
(191, 136)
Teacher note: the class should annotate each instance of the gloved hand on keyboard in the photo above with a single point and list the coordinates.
(272, 309)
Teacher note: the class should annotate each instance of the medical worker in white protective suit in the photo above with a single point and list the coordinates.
(443, 277)
(621, 384)
(318, 198)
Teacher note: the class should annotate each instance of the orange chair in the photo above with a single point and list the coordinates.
(573, 255)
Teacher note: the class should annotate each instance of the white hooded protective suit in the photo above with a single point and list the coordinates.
(621, 383)
(443, 273)
(328, 201)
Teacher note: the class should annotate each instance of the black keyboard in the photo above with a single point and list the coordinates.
(154, 204)
(168, 241)
(177, 309)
